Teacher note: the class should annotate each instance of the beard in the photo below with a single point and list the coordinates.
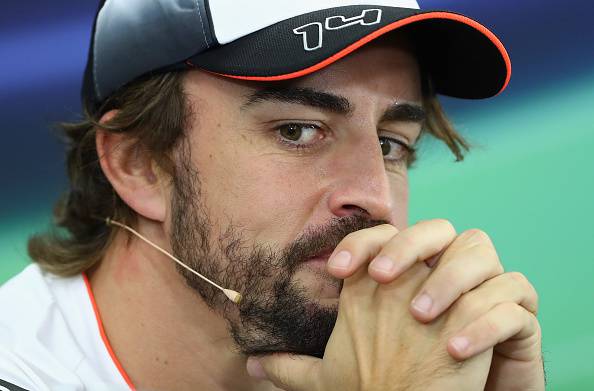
(275, 314)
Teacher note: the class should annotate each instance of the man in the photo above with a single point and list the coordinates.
(265, 146)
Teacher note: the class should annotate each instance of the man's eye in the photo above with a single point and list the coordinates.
(395, 151)
(298, 135)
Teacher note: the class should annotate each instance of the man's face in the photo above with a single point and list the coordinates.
(249, 209)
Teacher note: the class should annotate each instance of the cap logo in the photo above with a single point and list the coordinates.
(313, 33)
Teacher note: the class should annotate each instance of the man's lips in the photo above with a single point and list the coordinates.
(329, 286)
(321, 257)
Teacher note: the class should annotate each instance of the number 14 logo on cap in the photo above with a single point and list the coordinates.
(313, 33)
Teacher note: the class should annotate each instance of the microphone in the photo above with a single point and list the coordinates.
(231, 294)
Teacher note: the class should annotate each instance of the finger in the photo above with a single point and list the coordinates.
(508, 287)
(286, 371)
(357, 248)
(469, 261)
(505, 321)
(417, 243)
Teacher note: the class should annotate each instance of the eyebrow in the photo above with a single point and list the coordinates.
(397, 112)
(303, 96)
(404, 112)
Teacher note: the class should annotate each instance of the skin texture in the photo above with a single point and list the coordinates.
(245, 202)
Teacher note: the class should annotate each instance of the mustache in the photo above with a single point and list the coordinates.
(319, 239)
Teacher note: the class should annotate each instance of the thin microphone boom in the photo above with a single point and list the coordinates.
(231, 294)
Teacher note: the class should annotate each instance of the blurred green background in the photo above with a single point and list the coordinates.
(530, 184)
(528, 181)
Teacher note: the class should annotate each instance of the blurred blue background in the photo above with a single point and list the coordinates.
(529, 181)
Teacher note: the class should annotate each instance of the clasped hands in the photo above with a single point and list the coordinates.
(422, 308)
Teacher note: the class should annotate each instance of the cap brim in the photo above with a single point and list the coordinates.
(463, 57)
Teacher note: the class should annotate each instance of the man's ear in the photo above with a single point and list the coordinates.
(131, 171)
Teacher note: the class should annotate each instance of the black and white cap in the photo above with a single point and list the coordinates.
(271, 40)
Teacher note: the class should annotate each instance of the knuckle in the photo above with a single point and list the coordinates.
(513, 310)
(524, 285)
(495, 268)
(537, 327)
(519, 278)
(408, 240)
(477, 236)
(478, 243)
(489, 255)
(445, 225)
(491, 327)
(498, 267)
(521, 281)
(529, 317)
(516, 309)
(536, 300)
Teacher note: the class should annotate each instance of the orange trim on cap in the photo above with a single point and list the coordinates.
(392, 26)
(104, 336)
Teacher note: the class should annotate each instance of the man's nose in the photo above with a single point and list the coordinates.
(361, 183)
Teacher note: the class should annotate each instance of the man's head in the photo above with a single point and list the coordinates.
(265, 207)
(249, 180)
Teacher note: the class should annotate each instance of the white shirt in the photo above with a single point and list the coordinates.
(51, 336)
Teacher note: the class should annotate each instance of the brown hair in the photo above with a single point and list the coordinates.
(437, 123)
(153, 111)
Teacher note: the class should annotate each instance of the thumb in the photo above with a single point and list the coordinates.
(289, 372)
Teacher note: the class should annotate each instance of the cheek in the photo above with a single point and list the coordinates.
(400, 194)
(264, 197)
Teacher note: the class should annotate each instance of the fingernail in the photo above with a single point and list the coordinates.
(460, 343)
(383, 264)
(255, 369)
(422, 303)
(342, 260)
